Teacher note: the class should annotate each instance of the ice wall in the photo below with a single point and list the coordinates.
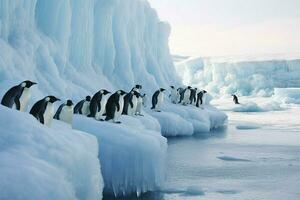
(244, 77)
(74, 47)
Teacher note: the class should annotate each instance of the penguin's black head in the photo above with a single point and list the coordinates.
(88, 98)
(27, 84)
(204, 91)
(105, 92)
(172, 86)
(121, 92)
(162, 89)
(51, 99)
(196, 88)
(189, 87)
(69, 103)
(138, 87)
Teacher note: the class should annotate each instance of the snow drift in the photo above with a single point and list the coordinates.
(243, 77)
(38, 162)
(179, 120)
(287, 95)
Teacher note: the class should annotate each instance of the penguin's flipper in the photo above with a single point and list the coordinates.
(56, 116)
(41, 117)
(98, 106)
(17, 103)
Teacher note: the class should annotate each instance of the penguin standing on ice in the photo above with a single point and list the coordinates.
(193, 96)
(97, 104)
(43, 110)
(157, 99)
(130, 103)
(235, 99)
(174, 95)
(200, 99)
(138, 88)
(140, 104)
(65, 112)
(114, 106)
(83, 106)
(185, 96)
(18, 96)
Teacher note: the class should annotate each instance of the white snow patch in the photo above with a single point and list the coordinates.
(38, 162)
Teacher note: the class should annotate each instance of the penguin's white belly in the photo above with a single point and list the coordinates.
(66, 114)
(24, 99)
(160, 99)
(102, 110)
(48, 114)
(119, 113)
(186, 96)
(204, 99)
(132, 110)
(86, 108)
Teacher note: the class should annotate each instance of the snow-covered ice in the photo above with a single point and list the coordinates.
(179, 120)
(37, 162)
(133, 158)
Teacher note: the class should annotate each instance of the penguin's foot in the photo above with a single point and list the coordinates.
(101, 120)
(158, 111)
(117, 122)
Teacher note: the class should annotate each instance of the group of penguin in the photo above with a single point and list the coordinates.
(111, 107)
(102, 106)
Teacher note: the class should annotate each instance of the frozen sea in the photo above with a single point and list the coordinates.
(256, 157)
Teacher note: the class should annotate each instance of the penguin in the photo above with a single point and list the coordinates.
(140, 104)
(138, 108)
(18, 96)
(114, 106)
(174, 94)
(193, 96)
(157, 99)
(185, 96)
(97, 104)
(130, 103)
(65, 112)
(200, 99)
(83, 106)
(43, 110)
(180, 93)
(235, 99)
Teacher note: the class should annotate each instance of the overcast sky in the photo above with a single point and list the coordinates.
(231, 27)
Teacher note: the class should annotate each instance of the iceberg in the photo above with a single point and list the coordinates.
(240, 76)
